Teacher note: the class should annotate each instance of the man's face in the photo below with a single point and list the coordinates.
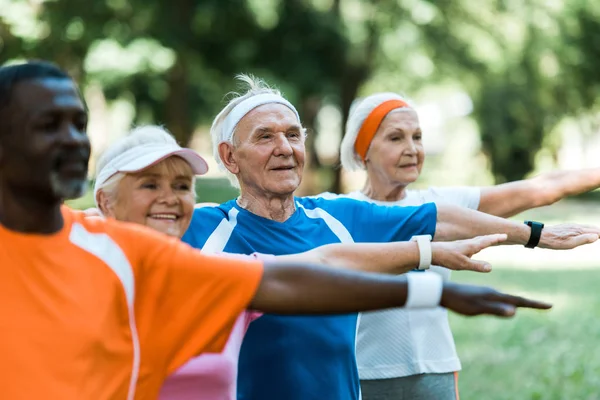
(46, 150)
(270, 150)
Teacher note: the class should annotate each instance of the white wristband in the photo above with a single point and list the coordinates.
(424, 290)
(424, 243)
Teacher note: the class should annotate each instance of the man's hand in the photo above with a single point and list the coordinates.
(476, 300)
(457, 255)
(568, 236)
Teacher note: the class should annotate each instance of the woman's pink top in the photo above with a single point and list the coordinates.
(212, 376)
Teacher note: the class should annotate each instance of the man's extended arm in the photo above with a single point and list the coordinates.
(296, 288)
(399, 257)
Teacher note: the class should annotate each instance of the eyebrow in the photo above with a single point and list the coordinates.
(155, 175)
(148, 175)
(395, 130)
(263, 129)
(53, 111)
(266, 129)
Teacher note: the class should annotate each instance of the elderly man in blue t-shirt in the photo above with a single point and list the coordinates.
(259, 140)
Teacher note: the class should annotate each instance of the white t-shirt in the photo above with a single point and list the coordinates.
(398, 342)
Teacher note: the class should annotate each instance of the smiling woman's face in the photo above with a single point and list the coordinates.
(160, 197)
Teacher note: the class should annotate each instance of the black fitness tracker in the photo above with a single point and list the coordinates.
(536, 233)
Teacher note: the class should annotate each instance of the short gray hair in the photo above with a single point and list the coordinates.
(147, 134)
(359, 111)
(254, 86)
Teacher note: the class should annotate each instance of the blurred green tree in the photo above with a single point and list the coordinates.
(526, 65)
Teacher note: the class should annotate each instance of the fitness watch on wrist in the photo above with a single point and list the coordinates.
(536, 233)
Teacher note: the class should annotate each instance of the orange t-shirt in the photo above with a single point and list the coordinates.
(106, 310)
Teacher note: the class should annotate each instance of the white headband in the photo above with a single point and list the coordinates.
(247, 105)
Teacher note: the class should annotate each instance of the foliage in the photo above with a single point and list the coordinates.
(525, 65)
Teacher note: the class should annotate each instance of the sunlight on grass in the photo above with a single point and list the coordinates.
(535, 355)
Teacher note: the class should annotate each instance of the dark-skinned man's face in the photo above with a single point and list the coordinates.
(44, 148)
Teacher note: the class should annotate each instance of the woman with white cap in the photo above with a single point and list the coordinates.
(410, 354)
(146, 178)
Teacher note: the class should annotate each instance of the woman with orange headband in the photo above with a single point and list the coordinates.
(410, 354)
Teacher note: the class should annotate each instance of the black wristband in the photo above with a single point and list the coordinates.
(536, 233)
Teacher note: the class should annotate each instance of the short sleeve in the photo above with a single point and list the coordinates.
(252, 315)
(378, 223)
(463, 196)
(187, 301)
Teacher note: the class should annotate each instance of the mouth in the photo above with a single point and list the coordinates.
(72, 165)
(407, 166)
(166, 217)
(287, 168)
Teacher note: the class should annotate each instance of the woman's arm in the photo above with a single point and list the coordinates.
(511, 198)
(455, 223)
(399, 257)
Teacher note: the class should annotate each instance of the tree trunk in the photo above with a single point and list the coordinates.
(309, 109)
(177, 105)
(178, 118)
(352, 79)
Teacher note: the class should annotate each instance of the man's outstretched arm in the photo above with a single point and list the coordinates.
(399, 257)
(297, 288)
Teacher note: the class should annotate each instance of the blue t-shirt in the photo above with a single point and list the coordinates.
(303, 357)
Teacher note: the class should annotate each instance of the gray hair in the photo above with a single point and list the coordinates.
(359, 111)
(255, 86)
(142, 135)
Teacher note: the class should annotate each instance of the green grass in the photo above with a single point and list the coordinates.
(536, 355)
(552, 355)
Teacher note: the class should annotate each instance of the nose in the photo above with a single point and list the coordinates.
(75, 137)
(168, 197)
(411, 148)
(282, 146)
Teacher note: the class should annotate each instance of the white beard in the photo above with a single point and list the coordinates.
(67, 190)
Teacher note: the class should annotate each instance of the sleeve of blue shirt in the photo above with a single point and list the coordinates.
(204, 221)
(368, 222)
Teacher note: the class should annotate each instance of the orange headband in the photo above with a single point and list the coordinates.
(371, 124)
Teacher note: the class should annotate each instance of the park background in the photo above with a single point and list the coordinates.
(505, 89)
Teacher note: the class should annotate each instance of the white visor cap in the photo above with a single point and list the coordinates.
(144, 156)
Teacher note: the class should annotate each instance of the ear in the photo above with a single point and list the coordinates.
(227, 156)
(104, 204)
